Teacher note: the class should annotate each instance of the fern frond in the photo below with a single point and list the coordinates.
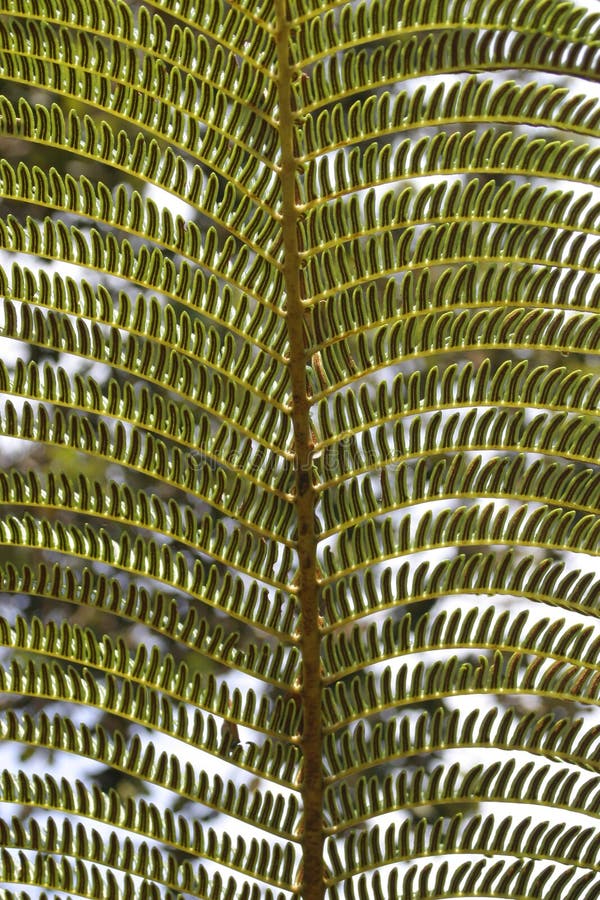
(491, 631)
(497, 675)
(481, 836)
(275, 816)
(149, 669)
(349, 600)
(301, 353)
(154, 610)
(145, 861)
(473, 100)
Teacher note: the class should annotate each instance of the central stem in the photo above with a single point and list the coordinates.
(312, 783)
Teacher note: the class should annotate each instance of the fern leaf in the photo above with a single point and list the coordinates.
(299, 509)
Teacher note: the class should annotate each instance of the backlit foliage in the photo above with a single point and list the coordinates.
(299, 505)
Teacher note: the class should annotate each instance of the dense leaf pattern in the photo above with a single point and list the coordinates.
(298, 544)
